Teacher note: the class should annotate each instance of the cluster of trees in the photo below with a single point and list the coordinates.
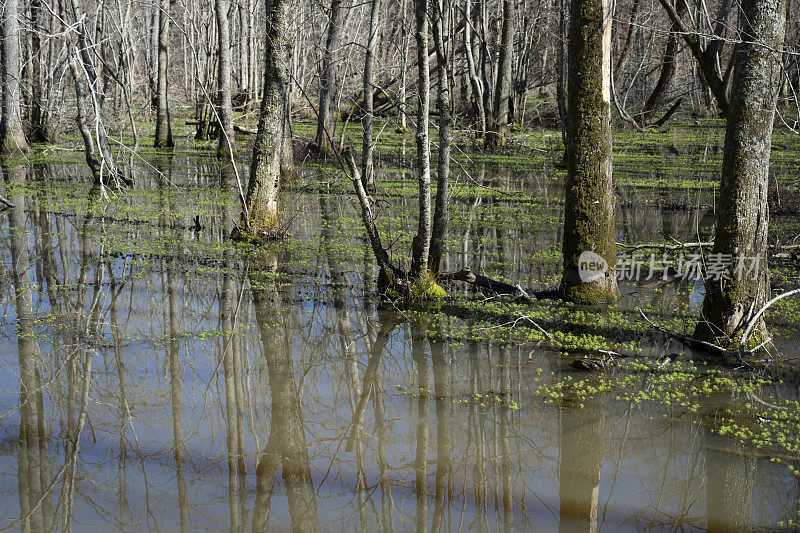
(353, 61)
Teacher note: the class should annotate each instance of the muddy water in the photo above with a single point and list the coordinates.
(154, 378)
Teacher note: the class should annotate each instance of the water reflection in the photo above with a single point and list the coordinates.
(180, 385)
(286, 447)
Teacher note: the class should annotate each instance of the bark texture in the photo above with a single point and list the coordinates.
(41, 127)
(589, 202)
(226, 147)
(420, 246)
(329, 79)
(261, 203)
(440, 215)
(743, 216)
(12, 138)
(498, 133)
(367, 170)
(163, 127)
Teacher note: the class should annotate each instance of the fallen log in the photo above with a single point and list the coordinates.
(468, 276)
(654, 246)
(683, 245)
(246, 131)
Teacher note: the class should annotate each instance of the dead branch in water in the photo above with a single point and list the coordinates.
(754, 320)
(468, 276)
(702, 345)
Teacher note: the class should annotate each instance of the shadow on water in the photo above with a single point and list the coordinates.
(155, 377)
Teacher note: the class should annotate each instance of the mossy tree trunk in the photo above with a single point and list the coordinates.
(497, 134)
(226, 147)
(329, 79)
(163, 128)
(261, 203)
(420, 246)
(589, 202)
(12, 137)
(743, 216)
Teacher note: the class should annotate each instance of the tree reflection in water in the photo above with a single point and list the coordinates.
(188, 385)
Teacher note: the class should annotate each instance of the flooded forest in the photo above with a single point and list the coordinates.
(407, 265)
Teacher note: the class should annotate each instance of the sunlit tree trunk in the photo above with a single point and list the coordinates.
(497, 134)
(226, 147)
(163, 128)
(421, 242)
(368, 170)
(440, 215)
(329, 79)
(261, 211)
(742, 215)
(589, 202)
(474, 79)
(12, 138)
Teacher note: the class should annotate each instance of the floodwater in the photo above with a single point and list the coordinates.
(153, 378)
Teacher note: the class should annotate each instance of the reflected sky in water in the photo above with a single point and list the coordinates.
(155, 379)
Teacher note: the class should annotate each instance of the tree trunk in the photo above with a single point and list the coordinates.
(668, 67)
(226, 147)
(88, 100)
(440, 217)
(41, 129)
(475, 81)
(163, 128)
(367, 171)
(420, 246)
(589, 202)
(261, 203)
(328, 80)
(743, 216)
(498, 133)
(12, 138)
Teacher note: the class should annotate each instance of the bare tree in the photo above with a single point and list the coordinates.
(329, 79)
(163, 137)
(261, 204)
(420, 246)
(12, 138)
(367, 172)
(226, 147)
(441, 19)
(498, 132)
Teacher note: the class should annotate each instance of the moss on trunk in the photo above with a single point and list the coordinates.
(589, 203)
(743, 215)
